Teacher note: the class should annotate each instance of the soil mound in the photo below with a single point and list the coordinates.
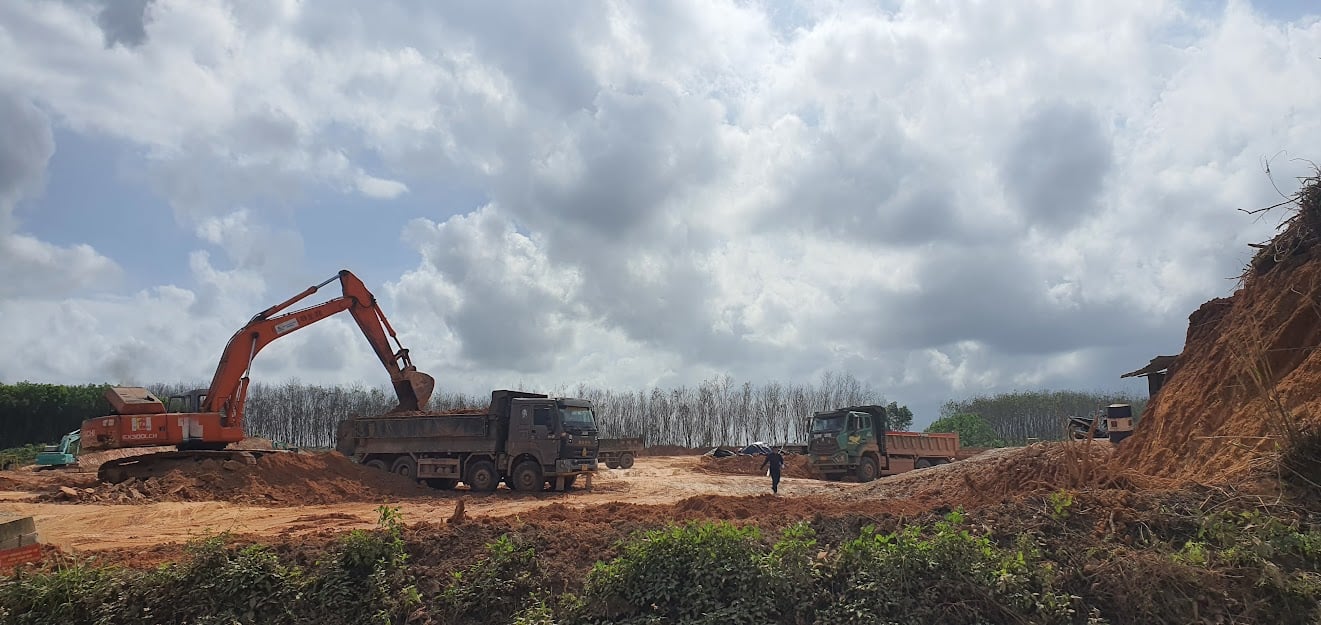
(673, 450)
(794, 466)
(278, 479)
(1249, 377)
(92, 460)
(1010, 473)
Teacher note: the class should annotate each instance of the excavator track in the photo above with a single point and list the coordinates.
(158, 464)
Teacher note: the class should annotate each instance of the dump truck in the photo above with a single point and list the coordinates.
(618, 453)
(60, 455)
(857, 441)
(524, 439)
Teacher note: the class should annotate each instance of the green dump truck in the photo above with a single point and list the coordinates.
(857, 441)
(618, 453)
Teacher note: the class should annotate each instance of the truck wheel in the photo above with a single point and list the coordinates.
(376, 463)
(405, 466)
(867, 469)
(612, 465)
(834, 477)
(527, 477)
(922, 463)
(568, 482)
(482, 476)
(442, 483)
(626, 461)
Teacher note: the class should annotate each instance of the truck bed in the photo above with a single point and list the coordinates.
(417, 432)
(620, 444)
(921, 444)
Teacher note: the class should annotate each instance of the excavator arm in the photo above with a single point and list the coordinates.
(229, 386)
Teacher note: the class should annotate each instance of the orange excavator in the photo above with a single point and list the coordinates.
(212, 418)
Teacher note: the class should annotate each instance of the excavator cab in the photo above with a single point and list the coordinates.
(186, 402)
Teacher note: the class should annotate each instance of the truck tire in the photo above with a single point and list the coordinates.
(481, 476)
(405, 466)
(376, 463)
(626, 461)
(442, 483)
(568, 482)
(834, 477)
(867, 469)
(612, 465)
(922, 463)
(527, 477)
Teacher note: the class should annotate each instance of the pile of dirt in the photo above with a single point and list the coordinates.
(427, 413)
(794, 466)
(91, 461)
(674, 450)
(278, 479)
(1249, 378)
(253, 442)
(1010, 473)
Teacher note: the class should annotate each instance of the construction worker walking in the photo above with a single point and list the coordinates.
(775, 461)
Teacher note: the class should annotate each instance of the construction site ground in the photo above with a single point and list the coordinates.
(682, 482)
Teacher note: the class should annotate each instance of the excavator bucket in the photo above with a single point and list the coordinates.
(422, 385)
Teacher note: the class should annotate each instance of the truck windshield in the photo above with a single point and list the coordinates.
(833, 423)
(577, 416)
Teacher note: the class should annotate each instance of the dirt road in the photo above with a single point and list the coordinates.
(653, 480)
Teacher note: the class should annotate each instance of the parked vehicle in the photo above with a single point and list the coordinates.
(524, 439)
(62, 455)
(856, 440)
(1115, 423)
(618, 453)
(756, 449)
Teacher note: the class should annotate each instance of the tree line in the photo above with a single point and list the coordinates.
(37, 413)
(716, 411)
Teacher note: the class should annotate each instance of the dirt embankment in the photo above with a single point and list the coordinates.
(794, 466)
(280, 479)
(1250, 370)
(1010, 473)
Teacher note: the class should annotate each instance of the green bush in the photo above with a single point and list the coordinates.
(74, 592)
(695, 573)
(496, 588)
(943, 575)
(362, 580)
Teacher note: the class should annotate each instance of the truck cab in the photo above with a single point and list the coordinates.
(559, 433)
(848, 440)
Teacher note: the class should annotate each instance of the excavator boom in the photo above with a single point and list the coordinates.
(229, 385)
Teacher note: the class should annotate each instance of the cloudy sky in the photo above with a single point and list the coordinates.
(943, 198)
